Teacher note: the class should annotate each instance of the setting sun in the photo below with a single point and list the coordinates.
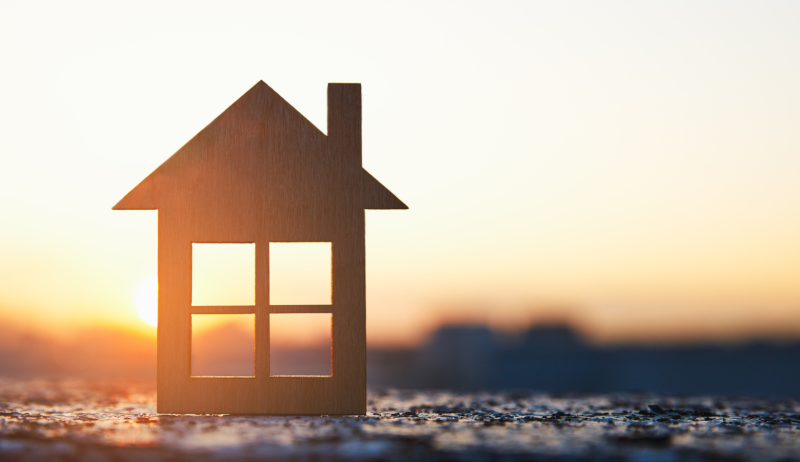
(147, 301)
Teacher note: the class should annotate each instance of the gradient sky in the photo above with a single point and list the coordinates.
(631, 166)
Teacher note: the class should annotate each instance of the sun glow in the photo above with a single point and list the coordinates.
(147, 301)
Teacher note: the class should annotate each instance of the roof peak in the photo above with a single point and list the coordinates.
(260, 142)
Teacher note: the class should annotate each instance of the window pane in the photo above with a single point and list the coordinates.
(300, 273)
(300, 344)
(223, 274)
(223, 345)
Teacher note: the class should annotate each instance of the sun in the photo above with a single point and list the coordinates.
(147, 301)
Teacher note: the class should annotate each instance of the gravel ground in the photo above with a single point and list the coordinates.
(85, 421)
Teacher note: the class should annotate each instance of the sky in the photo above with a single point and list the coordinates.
(630, 167)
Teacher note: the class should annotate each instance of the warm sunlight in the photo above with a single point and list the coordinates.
(147, 301)
(673, 214)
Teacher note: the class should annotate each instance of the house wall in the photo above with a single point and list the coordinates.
(342, 393)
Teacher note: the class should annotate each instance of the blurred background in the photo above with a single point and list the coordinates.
(603, 196)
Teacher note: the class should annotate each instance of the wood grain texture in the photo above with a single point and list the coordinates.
(261, 173)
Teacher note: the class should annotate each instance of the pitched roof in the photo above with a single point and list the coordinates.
(260, 141)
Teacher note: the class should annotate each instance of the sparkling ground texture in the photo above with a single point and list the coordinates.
(90, 421)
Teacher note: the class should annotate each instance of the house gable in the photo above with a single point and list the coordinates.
(261, 150)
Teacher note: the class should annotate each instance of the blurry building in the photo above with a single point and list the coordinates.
(555, 358)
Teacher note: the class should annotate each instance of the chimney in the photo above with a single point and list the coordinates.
(344, 124)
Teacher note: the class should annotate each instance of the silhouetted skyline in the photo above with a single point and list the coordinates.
(549, 358)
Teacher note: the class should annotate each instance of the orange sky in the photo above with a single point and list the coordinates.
(631, 167)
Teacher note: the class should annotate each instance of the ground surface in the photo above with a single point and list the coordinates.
(62, 420)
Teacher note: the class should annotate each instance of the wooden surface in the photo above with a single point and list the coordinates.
(261, 173)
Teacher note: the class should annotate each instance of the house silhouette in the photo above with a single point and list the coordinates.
(260, 173)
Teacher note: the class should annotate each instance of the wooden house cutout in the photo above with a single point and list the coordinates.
(261, 173)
